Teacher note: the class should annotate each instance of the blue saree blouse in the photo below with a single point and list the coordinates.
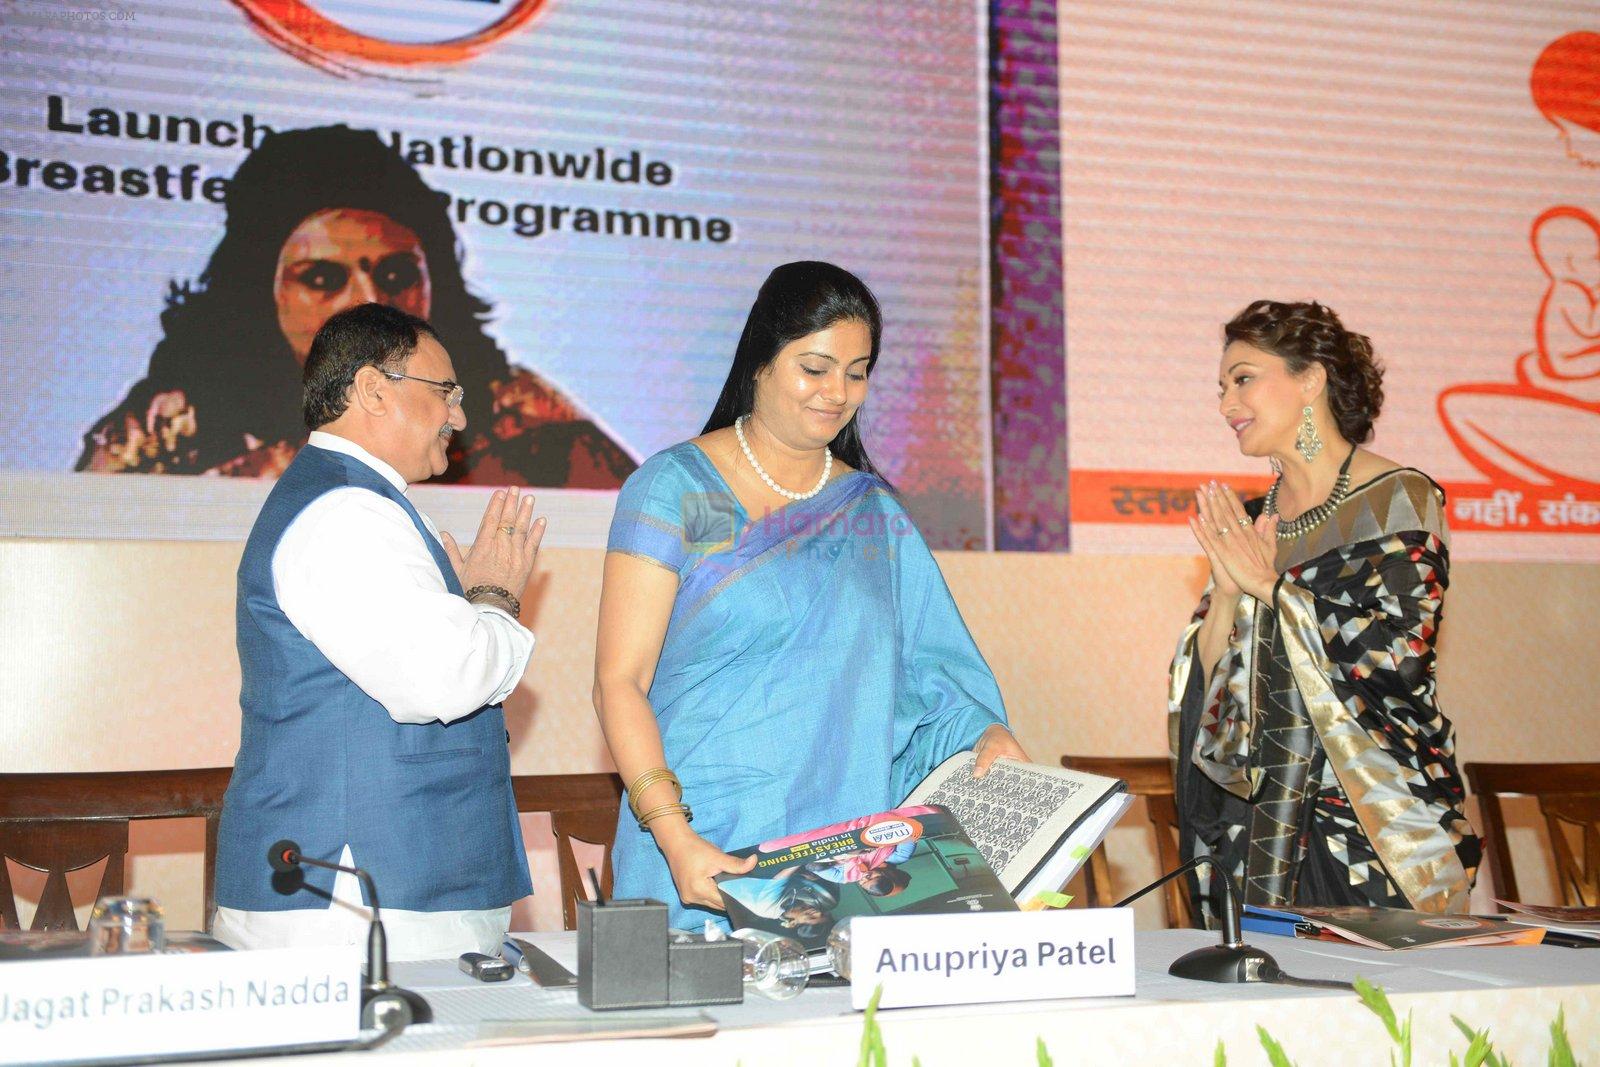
(815, 667)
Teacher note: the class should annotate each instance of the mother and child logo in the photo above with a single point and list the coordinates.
(1540, 425)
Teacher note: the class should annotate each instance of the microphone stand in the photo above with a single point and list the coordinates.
(1231, 961)
(383, 1004)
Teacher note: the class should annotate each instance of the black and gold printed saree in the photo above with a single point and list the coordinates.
(1316, 765)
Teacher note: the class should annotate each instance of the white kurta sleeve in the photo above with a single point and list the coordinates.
(354, 576)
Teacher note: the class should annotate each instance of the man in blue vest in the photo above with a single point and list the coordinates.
(375, 654)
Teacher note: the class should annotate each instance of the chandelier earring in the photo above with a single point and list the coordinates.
(1307, 442)
(1276, 464)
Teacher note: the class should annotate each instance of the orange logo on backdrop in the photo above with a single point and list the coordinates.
(309, 34)
(1536, 434)
(1565, 84)
(1542, 428)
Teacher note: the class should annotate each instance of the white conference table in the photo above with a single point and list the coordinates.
(1513, 991)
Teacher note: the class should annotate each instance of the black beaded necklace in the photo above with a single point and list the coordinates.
(1313, 517)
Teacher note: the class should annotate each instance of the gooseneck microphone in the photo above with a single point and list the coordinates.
(1231, 961)
(383, 1004)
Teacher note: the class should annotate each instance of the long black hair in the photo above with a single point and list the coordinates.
(223, 346)
(797, 300)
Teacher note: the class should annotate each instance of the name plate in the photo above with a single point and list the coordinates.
(991, 956)
(125, 1006)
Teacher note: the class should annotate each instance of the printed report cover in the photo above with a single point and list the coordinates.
(911, 860)
(1386, 928)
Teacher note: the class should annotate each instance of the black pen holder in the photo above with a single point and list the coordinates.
(704, 972)
(622, 954)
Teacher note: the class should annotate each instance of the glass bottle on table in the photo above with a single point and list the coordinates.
(774, 966)
(124, 925)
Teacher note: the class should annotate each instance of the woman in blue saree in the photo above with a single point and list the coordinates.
(777, 649)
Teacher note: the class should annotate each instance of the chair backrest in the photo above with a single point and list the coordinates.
(1150, 778)
(1569, 799)
(56, 823)
(582, 807)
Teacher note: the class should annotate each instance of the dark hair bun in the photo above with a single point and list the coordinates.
(1306, 333)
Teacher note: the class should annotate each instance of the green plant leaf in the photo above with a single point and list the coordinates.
(873, 1054)
(1044, 1054)
(1560, 1048)
(1480, 1050)
(1377, 1001)
(1275, 1054)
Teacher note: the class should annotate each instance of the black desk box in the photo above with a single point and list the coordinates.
(704, 972)
(622, 954)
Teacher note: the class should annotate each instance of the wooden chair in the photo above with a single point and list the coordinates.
(1569, 798)
(1150, 778)
(582, 807)
(57, 823)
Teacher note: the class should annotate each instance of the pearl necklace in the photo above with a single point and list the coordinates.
(1311, 519)
(827, 466)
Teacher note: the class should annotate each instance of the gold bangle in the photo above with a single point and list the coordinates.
(651, 777)
(648, 779)
(652, 816)
(665, 809)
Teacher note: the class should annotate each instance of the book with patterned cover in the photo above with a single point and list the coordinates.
(1035, 824)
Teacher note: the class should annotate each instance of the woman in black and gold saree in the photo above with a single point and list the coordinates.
(1312, 760)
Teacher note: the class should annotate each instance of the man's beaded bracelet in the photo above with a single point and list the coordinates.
(514, 608)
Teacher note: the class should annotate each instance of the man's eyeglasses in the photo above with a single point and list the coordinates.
(454, 393)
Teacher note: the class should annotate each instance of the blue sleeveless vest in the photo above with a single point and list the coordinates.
(427, 809)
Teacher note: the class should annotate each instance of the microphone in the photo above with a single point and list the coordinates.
(1231, 961)
(383, 1004)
